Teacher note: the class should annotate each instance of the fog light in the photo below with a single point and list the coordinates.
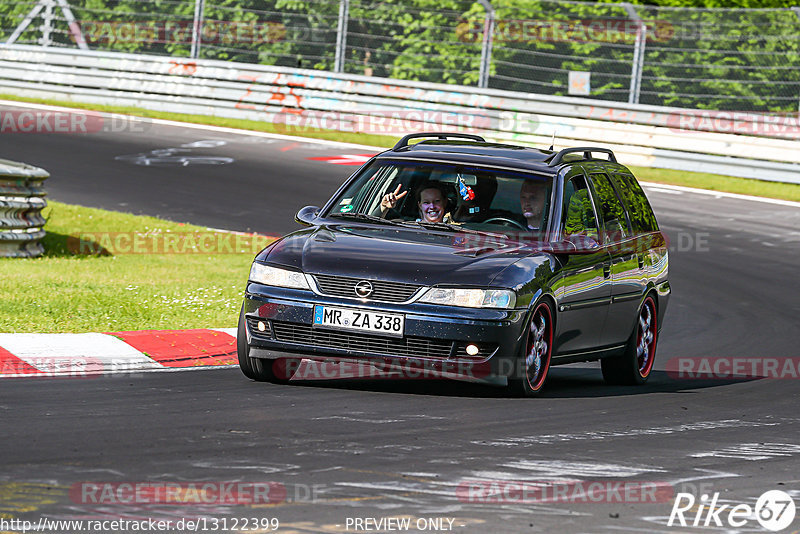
(262, 326)
(472, 350)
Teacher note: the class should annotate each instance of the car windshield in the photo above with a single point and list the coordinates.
(438, 195)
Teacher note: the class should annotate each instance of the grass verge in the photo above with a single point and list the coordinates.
(169, 281)
(699, 180)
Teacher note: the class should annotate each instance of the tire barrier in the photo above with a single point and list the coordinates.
(21, 204)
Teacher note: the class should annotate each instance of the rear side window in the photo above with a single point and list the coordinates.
(642, 218)
(577, 213)
(611, 209)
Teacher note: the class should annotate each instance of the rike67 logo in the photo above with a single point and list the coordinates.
(774, 511)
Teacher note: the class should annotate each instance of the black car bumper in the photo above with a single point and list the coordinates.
(279, 324)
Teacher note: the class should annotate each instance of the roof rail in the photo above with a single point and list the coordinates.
(587, 154)
(402, 143)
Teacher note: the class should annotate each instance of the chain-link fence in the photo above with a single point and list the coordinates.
(732, 59)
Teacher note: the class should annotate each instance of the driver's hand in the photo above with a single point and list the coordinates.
(390, 199)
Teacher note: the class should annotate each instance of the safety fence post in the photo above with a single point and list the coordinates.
(486, 47)
(341, 36)
(197, 28)
(638, 54)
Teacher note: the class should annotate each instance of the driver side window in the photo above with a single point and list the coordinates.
(577, 213)
(384, 181)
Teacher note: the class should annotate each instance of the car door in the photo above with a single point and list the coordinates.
(583, 291)
(628, 278)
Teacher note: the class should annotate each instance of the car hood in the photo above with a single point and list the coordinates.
(400, 254)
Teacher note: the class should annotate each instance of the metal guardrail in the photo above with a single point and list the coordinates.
(745, 145)
(710, 58)
(21, 204)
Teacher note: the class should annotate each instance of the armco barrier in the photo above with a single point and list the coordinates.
(21, 204)
(736, 144)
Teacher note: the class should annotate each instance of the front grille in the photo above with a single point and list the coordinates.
(414, 347)
(342, 286)
(255, 333)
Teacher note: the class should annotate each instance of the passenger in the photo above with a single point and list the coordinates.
(390, 201)
(533, 199)
(431, 200)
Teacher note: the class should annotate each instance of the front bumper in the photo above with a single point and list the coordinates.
(434, 340)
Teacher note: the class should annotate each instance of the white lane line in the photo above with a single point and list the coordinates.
(359, 419)
(548, 439)
(562, 468)
(296, 139)
(661, 190)
(206, 127)
(720, 194)
(72, 354)
(752, 451)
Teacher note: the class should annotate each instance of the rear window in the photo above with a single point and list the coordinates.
(643, 220)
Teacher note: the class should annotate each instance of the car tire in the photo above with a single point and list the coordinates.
(636, 363)
(533, 362)
(242, 349)
(275, 371)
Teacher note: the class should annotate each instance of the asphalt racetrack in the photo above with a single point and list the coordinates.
(348, 455)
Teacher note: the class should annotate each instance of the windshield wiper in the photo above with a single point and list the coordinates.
(453, 228)
(365, 217)
(438, 226)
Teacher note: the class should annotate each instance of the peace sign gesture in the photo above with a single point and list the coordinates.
(390, 199)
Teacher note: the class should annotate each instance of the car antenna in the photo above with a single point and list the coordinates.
(553, 141)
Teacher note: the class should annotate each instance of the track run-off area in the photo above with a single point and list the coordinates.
(387, 455)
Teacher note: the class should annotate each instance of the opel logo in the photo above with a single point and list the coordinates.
(363, 289)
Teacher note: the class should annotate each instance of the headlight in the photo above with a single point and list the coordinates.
(273, 276)
(471, 298)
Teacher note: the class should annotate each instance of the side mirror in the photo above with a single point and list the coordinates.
(306, 216)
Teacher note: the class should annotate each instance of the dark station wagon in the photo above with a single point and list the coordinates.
(469, 260)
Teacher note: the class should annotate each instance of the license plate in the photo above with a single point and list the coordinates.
(388, 324)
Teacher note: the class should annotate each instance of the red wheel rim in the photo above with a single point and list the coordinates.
(646, 332)
(539, 346)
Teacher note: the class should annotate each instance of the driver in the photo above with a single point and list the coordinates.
(533, 198)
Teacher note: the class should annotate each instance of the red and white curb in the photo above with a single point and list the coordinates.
(76, 355)
(114, 353)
